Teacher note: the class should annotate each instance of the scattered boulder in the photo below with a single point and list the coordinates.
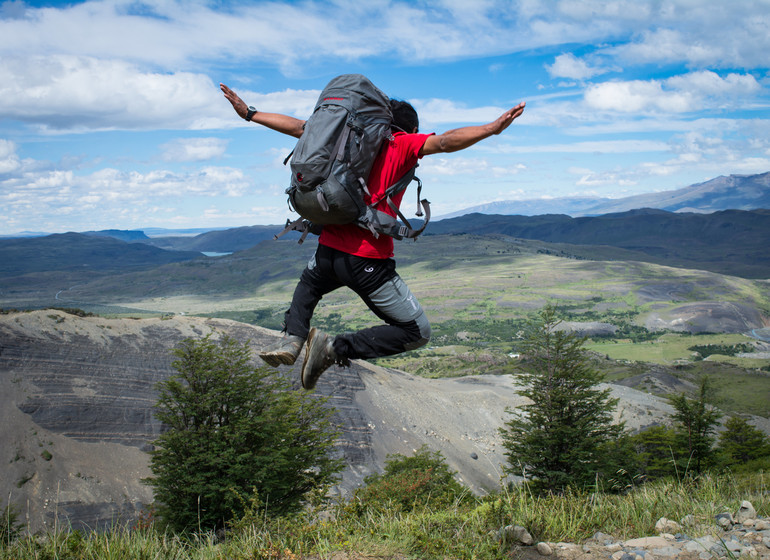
(515, 534)
(745, 512)
(744, 535)
(725, 520)
(665, 525)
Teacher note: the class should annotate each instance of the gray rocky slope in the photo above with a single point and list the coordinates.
(76, 397)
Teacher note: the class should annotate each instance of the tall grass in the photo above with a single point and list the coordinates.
(462, 531)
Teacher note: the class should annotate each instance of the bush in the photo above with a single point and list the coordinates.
(409, 483)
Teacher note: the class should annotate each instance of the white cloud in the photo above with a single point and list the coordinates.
(180, 35)
(703, 34)
(707, 83)
(636, 96)
(678, 94)
(64, 92)
(67, 92)
(29, 195)
(9, 160)
(194, 149)
(176, 34)
(569, 66)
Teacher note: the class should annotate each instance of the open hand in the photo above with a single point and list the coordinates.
(238, 104)
(507, 118)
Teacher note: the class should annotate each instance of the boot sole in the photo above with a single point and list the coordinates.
(310, 337)
(276, 359)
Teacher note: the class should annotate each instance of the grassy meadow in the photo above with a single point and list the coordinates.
(479, 293)
(467, 530)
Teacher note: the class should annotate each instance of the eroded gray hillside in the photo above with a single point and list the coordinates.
(76, 397)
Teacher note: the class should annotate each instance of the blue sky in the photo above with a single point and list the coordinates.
(111, 116)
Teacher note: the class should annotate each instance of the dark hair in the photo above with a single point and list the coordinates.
(404, 116)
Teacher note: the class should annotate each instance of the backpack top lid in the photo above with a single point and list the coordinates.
(357, 94)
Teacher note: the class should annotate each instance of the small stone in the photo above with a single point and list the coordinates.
(745, 512)
(567, 551)
(618, 555)
(474, 456)
(613, 547)
(516, 533)
(667, 552)
(602, 538)
(761, 525)
(646, 542)
(544, 549)
(665, 525)
(749, 551)
(754, 537)
(724, 520)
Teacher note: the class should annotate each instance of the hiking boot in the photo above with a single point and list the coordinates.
(318, 357)
(285, 351)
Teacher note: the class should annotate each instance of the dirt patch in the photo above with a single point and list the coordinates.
(704, 317)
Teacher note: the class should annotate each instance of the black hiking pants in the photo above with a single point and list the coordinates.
(379, 286)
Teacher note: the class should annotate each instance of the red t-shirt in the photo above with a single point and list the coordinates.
(397, 157)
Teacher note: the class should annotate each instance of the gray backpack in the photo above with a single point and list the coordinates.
(332, 160)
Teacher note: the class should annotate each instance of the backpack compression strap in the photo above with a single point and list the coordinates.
(301, 225)
(387, 223)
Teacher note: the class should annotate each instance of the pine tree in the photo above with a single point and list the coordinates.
(695, 425)
(232, 430)
(556, 440)
(741, 442)
(654, 448)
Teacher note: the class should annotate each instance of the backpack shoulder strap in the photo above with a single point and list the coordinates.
(389, 225)
(398, 187)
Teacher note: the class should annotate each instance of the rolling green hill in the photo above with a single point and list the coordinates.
(730, 242)
(75, 251)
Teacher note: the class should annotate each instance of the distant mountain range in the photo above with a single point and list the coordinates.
(727, 241)
(78, 252)
(221, 241)
(735, 192)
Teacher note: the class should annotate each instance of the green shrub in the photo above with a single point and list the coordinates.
(410, 483)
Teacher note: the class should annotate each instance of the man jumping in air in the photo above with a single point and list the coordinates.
(348, 255)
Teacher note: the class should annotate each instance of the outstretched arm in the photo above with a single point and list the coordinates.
(461, 138)
(281, 123)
